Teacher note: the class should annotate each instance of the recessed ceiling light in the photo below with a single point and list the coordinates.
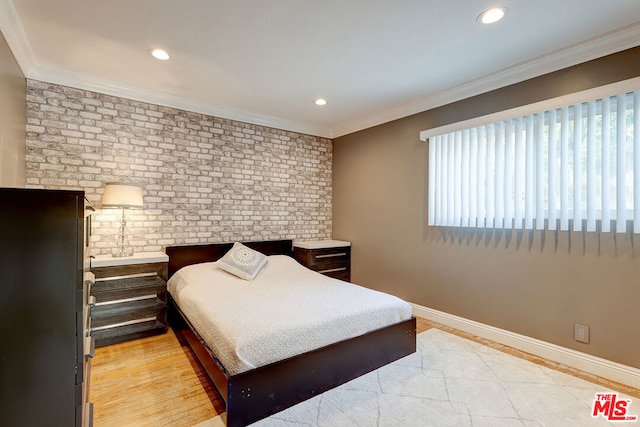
(492, 15)
(320, 102)
(159, 54)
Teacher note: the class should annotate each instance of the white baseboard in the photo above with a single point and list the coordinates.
(585, 362)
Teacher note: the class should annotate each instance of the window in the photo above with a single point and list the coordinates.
(571, 167)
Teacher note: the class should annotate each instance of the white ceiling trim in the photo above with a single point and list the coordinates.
(65, 77)
(596, 47)
(16, 37)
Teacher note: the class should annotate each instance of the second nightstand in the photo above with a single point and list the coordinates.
(329, 257)
(129, 297)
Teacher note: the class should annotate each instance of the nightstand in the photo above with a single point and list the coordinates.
(129, 297)
(329, 257)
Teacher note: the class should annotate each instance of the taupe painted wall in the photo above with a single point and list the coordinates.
(13, 107)
(533, 283)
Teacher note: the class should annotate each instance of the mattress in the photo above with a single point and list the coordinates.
(285, 311)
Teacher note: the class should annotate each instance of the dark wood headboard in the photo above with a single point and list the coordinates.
(181, 256)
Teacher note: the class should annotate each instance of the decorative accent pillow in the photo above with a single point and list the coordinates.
(242, 261)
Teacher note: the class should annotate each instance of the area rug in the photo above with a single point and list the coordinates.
(451, 381)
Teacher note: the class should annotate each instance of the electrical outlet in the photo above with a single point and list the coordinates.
(581, 333)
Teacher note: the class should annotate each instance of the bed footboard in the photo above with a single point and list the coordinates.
(258, 393)
(261, 392)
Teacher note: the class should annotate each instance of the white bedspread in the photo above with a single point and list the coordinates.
(285, 311)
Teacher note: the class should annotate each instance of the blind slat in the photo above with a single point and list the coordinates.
(539, 141)
(636, 162)
(530, 195)
(509, 172)
(491, 177)
(520, 173)
(606, 167)
(499, 198)
(577, 167)
(457, 179)
(473, 177)
(553, 171)
(451, 192)
(482, 177)
(441, 153)
(621, 167)
(564, 169)
(433, 185)
(465, 182)
(591, 166)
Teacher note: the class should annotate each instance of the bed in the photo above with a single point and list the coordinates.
(255, 389)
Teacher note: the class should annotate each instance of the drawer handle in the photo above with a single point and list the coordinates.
(120, 301)
(331, 255)
(129, 323)
(332, 270)
(129, 276)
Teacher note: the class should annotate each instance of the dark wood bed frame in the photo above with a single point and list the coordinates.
(258, 393)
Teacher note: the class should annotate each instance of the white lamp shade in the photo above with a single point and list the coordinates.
(122, 196)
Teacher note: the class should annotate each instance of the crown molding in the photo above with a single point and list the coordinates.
(65, 77)
(596, 47)
(16, 37)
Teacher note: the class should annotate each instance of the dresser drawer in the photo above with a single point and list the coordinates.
(105, 290)
(134, 329)
(111, 313)
(333, 261)
(323, 258)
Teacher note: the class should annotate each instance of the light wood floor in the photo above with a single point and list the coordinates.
(152, 381)
(156, 381)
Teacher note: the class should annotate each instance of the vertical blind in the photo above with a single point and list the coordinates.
(577, 165)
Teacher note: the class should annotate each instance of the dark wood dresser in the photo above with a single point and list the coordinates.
(329, 257)
(129, 297)
(45, 350)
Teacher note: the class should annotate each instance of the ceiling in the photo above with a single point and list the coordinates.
(265, 62)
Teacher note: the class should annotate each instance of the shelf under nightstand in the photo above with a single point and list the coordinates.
(129, 297)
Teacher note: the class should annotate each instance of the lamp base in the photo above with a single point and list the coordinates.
(122, 250)
(119, 255)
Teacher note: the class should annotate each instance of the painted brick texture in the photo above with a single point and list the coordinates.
(205, 179)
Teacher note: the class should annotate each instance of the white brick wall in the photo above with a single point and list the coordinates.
(205, 179)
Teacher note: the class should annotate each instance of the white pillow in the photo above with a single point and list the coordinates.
(242, 261)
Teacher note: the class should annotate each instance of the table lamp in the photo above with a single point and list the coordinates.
(123, 196)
